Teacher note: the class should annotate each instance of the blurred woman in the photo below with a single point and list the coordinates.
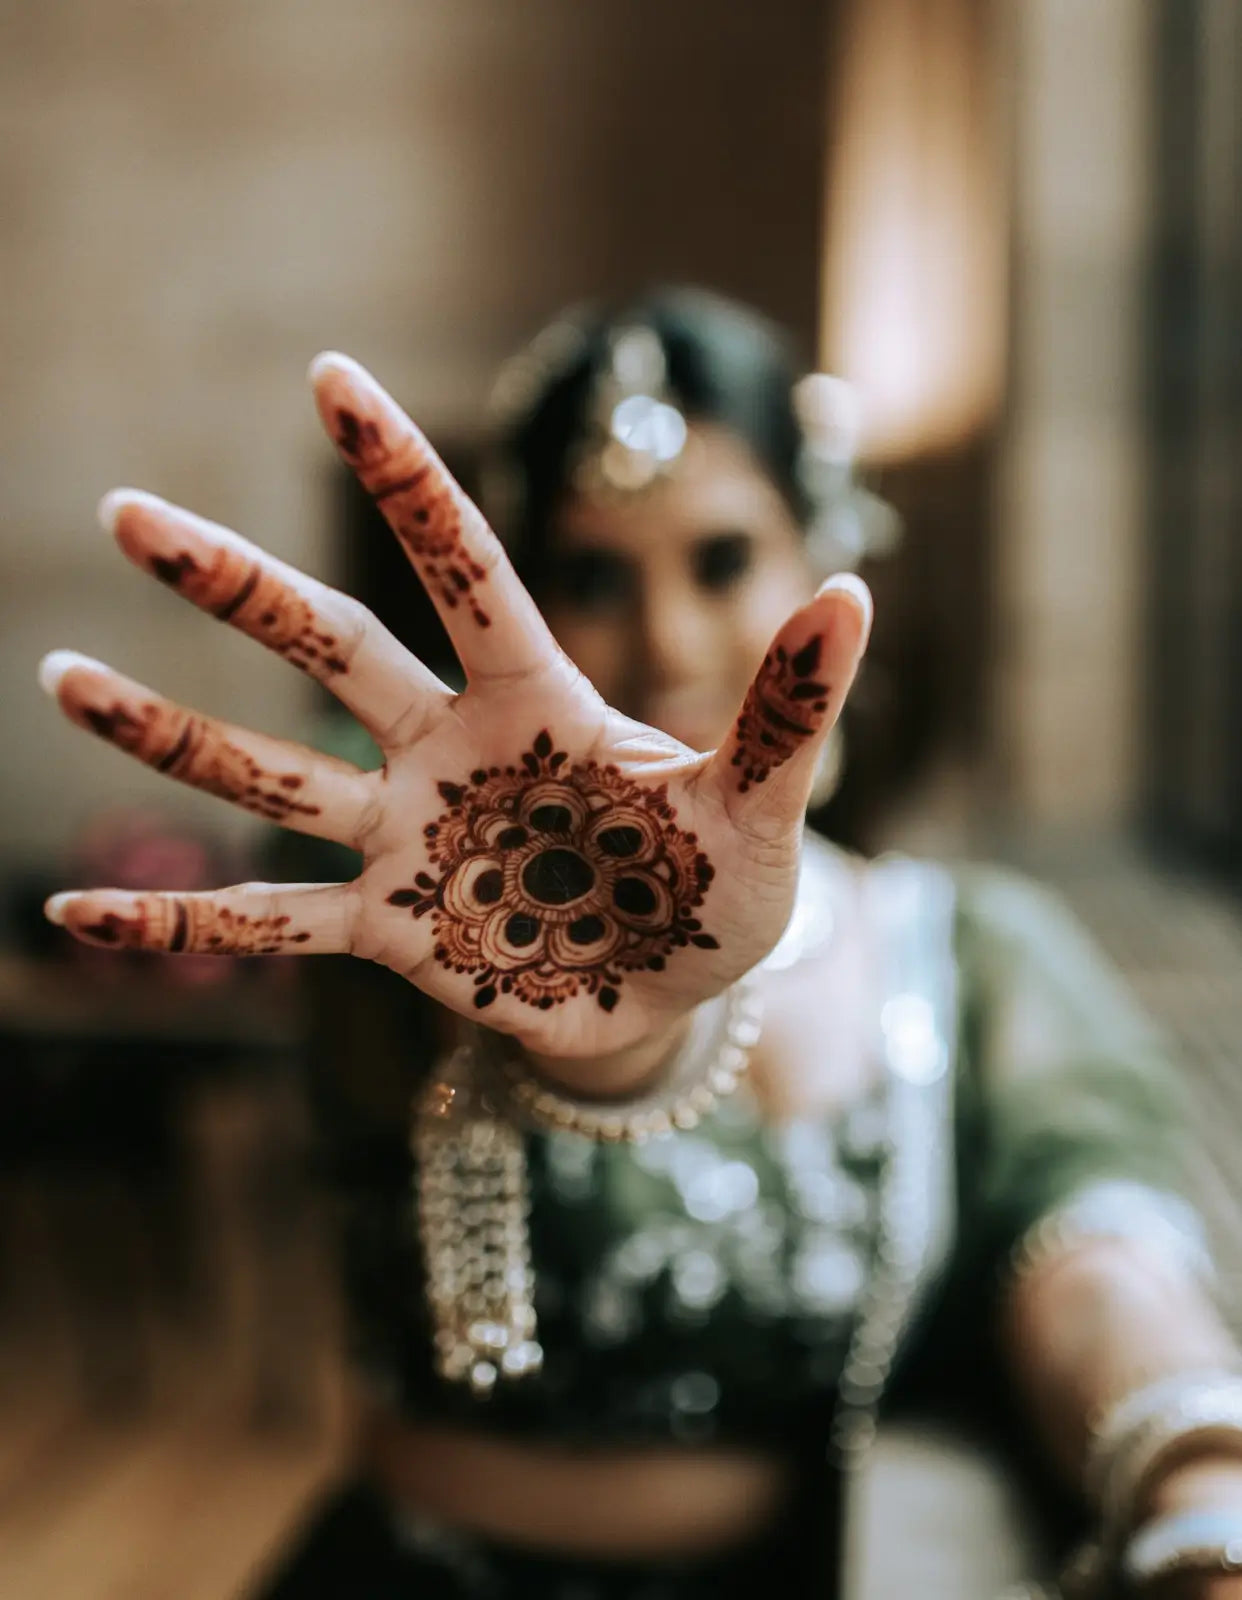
(728, 1132)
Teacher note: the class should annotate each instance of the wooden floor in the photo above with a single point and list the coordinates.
(172, 1507)
(181, 1473)
(157, 1445)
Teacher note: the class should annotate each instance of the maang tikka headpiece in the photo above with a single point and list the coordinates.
(635, 434)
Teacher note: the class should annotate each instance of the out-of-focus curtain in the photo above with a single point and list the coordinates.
(914, 264)
(1194, 421)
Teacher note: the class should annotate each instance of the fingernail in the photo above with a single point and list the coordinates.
(850, 583)
(327, 359)
(54, 909)
(57, 662)
(114, 502)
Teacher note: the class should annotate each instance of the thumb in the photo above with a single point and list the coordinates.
(767, 764)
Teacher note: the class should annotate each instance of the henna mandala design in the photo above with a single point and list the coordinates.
(556, 878)
(781, 710)
(428, 524)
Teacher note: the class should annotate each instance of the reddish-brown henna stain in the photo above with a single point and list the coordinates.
(233, 933)
(174, 571)
(117, 724)
(424, 511)
(192, 750)
(176, 925)
(556, 879)
(356, 440)
(237, 589)
(782, 710)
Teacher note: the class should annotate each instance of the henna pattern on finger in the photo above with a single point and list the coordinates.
(781, 711)
(237, 589)
(189, 748)
(425, 513)
(359, 442)
(556, 879)
(179, 926)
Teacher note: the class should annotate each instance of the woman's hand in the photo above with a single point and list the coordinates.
(532, 859)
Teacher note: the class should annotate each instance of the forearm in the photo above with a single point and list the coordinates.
(1088, 1326)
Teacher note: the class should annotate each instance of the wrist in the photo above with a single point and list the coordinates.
(669, 1082)
(614, 1074)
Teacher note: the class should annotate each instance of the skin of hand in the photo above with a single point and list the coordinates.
(533, 859)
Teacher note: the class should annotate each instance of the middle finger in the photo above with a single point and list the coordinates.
(495, 626)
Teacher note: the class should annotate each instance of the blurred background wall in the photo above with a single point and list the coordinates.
(958, 204)
(199, 197)
(1068, 712)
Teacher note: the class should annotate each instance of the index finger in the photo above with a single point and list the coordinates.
(493, 623)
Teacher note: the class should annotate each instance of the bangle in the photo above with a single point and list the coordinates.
(707, 1066)
(1185, 1541)
(1163, 1223)
(1149, 1427)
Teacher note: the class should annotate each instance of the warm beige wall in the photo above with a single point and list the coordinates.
(1070, 514)
(196, 198)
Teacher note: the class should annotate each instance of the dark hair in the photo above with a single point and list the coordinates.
(724, 364)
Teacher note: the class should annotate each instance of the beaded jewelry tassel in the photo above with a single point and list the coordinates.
(473, 1204)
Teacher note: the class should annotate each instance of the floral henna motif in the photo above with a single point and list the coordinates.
(179, 925)
(427, 521)
(556, 879)
(238, 590)
(182, 745)
(781, 711)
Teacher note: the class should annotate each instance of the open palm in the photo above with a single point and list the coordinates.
(532, 858)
